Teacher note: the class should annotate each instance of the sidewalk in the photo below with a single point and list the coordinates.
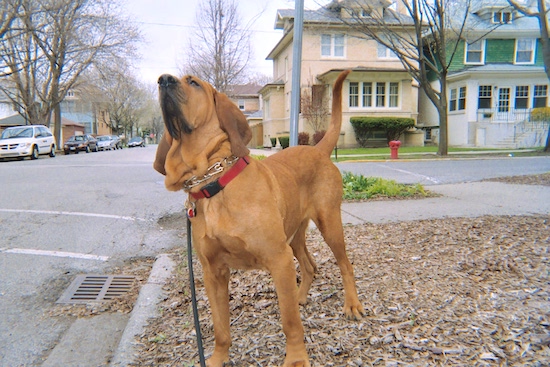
(106, 337)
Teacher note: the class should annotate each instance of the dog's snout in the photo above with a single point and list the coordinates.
(167, 80)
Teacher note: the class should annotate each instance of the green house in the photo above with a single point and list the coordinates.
(497, 77)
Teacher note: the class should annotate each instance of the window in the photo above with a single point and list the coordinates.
(367, 94)
(525, 51)
(540, 96)
(502, 17)
(452, 100)
(374, 94)
(385, 52)
(332, 45)
(394, 95)
(485, 96)
(475, 52)
(462, 98)
(241, 104)
(457, 100)
(380, 94)
(522, 96)
(354, 94)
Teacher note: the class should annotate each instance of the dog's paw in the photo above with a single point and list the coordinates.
(354, 312)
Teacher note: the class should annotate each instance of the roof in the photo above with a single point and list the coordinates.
(330, 14)
(249, 89)
(18, 120)
(499, 69)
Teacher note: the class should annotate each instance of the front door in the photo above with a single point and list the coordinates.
(504, 104)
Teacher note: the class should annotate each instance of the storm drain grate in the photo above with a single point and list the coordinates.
(88, 288)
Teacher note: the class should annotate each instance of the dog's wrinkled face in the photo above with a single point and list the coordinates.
(183, 103)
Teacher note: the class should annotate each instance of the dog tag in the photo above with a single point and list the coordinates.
(191, 209)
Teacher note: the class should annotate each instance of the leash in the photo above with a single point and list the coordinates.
(194, 295)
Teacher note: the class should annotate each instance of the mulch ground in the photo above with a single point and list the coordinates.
(446, 292)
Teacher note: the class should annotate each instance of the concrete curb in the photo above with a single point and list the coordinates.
(145, 308)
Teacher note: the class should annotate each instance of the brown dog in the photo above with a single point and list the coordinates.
(260, 219)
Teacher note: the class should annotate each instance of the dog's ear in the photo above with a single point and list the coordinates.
(162, 151)
(234, 123)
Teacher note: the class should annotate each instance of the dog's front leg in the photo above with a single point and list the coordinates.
(216, 282)
(284, 276)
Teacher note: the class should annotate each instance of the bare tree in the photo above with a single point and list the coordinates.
(540, 12)
(61, 40)
(424, 35)
(314, 107)
(220, 49)
(9, 10)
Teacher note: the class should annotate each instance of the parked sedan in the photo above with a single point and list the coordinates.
(136, 141)
(118, 142)
(26, 141)
(80, 143)
(105, 142)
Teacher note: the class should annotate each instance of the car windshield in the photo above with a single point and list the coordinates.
(101, 138)
(135, 139)
(18, 132)
(78, 138)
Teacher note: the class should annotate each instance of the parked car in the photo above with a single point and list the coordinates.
(80, 143)
(136, 141)
(118, 142)
(27, 141)
(106, 142)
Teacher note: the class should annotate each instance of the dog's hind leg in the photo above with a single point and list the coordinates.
(307, 264)
(281, 268)
(329, 223)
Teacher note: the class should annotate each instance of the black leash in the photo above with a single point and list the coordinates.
(194, 295)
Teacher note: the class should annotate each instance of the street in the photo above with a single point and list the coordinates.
(89, 213)
(69, 215)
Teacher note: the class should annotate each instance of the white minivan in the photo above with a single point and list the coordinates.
(27, 141)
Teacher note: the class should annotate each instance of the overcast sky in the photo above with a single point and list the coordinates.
(166, 25)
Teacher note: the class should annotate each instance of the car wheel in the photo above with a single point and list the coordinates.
(88, 149)
(34, 153)
(96, 149)
(52, 152)
(67, 152)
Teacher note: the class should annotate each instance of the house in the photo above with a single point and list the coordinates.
(378, 86)
(496, 78)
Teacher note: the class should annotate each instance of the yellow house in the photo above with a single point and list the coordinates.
(378, 85)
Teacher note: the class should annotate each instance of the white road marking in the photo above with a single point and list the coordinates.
(55, 212)
(72, 255)
(428, 178)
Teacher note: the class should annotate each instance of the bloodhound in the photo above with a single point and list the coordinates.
(249, 213)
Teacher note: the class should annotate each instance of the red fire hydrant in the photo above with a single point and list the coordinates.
(394, 147)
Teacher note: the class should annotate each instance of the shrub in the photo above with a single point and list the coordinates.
(303, 138)
(359, 187)
(273, 141)
(540, 114)
(318, 135)
(285, 141)
(393, 127)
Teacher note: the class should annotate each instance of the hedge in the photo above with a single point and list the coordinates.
(393, 127)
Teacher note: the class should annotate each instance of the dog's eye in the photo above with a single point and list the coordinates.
(192, 82)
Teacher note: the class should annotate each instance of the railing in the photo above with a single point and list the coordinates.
(501, 115)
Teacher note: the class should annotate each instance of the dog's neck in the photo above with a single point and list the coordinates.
(192, 156)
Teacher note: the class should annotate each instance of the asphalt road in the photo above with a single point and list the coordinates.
(89, 213)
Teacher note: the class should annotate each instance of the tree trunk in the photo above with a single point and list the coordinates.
(57, 125)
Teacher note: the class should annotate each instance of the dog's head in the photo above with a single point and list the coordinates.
(195, 113)
(189, 103)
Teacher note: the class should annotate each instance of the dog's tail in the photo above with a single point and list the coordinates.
(329, 141)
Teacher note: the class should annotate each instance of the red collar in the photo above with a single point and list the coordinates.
(214, 187)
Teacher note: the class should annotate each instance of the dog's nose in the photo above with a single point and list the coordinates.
(167, 80)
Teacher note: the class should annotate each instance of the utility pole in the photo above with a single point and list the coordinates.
(296, 71)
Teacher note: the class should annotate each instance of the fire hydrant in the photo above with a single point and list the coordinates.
(394, 147)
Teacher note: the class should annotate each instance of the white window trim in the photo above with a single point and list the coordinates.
(533, 45)
(374, 95)
(332, 46)
(457, 99)
(482, 62)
